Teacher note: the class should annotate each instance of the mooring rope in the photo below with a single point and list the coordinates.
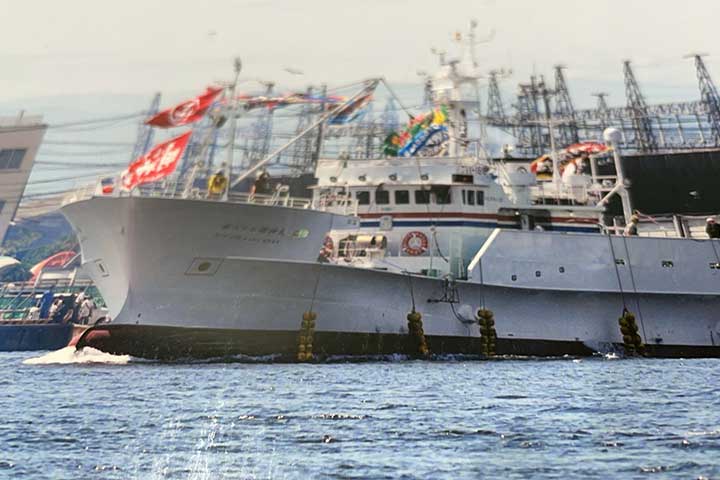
(617, 272)
(632, 280)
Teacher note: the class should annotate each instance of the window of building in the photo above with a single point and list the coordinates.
(17, 158)
(5, 158)
(382, 197)
(422, 197)
(11, 158)
(402, 197)
(362, 197)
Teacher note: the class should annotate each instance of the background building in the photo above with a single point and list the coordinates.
(20, 138)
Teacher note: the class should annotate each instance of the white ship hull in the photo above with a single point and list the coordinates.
(131, 243)
(253, 304)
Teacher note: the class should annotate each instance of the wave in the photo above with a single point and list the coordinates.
(70, 355)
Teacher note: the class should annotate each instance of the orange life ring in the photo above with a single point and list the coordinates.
(415, 243)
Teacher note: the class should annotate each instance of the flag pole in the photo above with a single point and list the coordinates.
(233, 126)
(371, 84)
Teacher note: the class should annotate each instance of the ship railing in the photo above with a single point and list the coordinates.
(332, 202)
(183, 187)
(664, 226)
(580, 193)
(16, 298)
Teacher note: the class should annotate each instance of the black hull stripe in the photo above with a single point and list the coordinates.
(171, 343)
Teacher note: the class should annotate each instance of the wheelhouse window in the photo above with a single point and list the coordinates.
(471, 197)
(422, 197)
(362, 197)
(442, 195)
(402, 197)
(382, 197)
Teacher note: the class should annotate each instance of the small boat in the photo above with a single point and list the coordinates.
(29, 322)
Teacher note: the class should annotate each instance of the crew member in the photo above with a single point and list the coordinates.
(86, 310)
(712, 228)
(217, 184)
(582, 163)
(631, 228)
(261, 186)
(46, 302)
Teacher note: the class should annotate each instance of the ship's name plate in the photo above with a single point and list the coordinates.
(259, 233)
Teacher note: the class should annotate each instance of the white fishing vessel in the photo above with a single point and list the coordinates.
(451, 255)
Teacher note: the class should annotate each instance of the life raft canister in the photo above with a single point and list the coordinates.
(217, 184)
(415, 243)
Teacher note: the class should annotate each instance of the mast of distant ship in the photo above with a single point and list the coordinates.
(369, 87)
(233, 125)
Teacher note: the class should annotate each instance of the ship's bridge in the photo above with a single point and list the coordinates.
(401, 171)
(423, 184)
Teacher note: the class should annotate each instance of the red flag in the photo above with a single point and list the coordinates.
(186, 112)
(156, 164)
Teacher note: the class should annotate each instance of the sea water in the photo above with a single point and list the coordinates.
(93, 415)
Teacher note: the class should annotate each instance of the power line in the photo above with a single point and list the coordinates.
(79, 123)
(80, 164)
(87, 143)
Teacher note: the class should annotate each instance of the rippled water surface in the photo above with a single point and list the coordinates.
(96, 416)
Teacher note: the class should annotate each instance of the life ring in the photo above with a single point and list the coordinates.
(415, 243)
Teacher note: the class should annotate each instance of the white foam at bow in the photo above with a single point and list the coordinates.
(71, 355)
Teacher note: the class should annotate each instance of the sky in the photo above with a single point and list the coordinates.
(78, 47)
(73, 60)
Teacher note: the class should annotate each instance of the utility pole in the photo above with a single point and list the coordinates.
(642, 124)
(495, 108)
(709, 96)
(146, 132)
(602, 110)
(568, 129)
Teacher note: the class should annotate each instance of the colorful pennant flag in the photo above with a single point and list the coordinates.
(156, 164)
(352, 111)
(186, 112)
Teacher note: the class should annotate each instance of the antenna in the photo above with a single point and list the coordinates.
(440, 54)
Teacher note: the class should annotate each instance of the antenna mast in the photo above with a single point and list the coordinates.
(237, 65)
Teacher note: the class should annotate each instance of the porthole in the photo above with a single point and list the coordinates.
(537, 273)
(619, 261)
(667, 264)
(513, 278)
(561, 269)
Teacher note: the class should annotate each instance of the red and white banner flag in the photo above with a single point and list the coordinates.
(156, 164)
(186, 112)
